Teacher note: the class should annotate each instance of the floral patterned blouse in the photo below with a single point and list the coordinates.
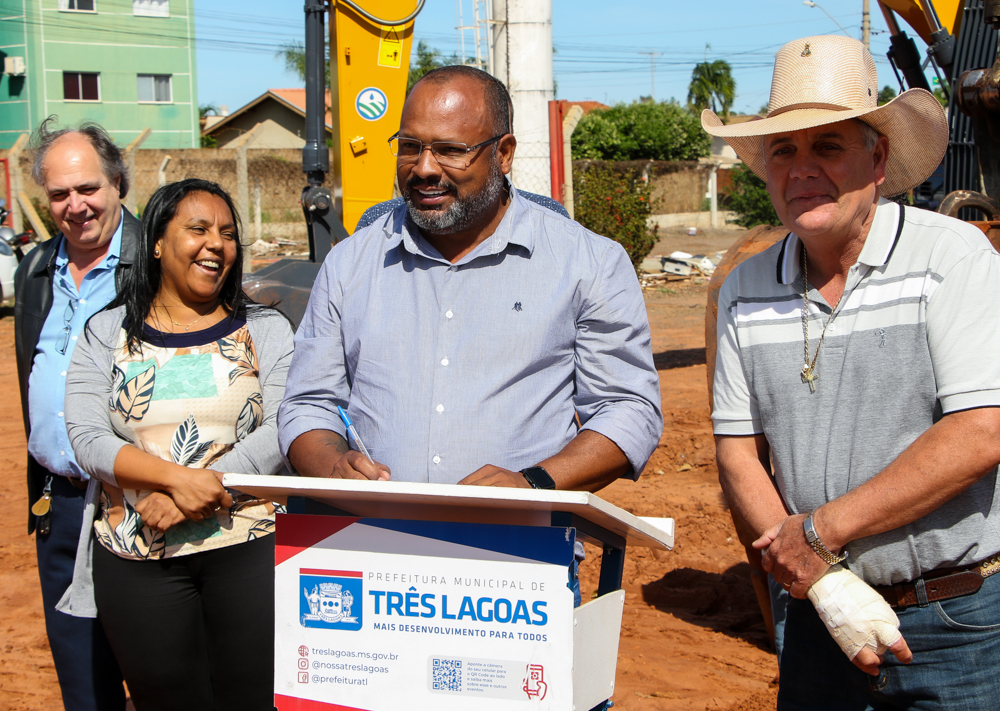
(187, 398)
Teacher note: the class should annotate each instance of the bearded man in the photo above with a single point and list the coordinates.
(472, 336)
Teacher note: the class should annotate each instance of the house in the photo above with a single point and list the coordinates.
(126, 64)
(282, 113)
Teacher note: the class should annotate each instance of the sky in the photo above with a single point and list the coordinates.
(602, 48)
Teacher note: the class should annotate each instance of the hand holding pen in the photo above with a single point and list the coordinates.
(369, 469)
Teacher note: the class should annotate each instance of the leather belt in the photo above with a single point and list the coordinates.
(941, 584)
(77, 482)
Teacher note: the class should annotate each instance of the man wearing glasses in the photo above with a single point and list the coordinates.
(474, 337)
(58, 286)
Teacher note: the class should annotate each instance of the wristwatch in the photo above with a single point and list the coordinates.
(538, 478)
(817, 545)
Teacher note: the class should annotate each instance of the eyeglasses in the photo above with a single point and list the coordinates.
(68, 319)
(446, 153)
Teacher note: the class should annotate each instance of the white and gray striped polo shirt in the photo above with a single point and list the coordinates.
(916, 334)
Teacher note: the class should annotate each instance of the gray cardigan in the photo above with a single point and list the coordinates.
(88, 421)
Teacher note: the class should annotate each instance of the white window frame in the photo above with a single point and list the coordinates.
(151, 8)
(83, 101)
(64, 7)
(153, 77)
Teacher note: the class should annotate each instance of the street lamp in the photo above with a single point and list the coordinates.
(810, 3)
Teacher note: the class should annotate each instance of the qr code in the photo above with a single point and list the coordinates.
(447, 675)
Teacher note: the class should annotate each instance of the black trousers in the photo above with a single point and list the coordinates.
(193, 632)
(88, 673)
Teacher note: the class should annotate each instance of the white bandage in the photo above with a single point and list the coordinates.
(855, 615)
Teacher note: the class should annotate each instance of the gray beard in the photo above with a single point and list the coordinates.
(463, 213)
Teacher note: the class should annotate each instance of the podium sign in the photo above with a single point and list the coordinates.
(379, 615)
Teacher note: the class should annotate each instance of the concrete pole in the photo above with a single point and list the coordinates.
(523, 62)
(243, 192)
(866, 25)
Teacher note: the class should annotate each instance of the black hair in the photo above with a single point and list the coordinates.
(498, 104)
(112, 161)
(142, 280)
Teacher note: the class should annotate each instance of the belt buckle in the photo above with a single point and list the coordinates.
(897, 590)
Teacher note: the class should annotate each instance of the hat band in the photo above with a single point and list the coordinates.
(813, 105)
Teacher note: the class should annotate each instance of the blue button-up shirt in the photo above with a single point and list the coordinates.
(48, 442)
(447, 367)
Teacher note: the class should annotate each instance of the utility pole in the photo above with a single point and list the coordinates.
(865, 23)
(652, 73)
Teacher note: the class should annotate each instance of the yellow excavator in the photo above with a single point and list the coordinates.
(961, 38)
(369, 64)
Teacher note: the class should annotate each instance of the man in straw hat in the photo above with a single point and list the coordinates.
(857, 366)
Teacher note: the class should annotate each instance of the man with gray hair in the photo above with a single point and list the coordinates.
(58, 286)
(857, 396)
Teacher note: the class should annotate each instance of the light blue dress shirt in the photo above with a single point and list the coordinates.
(48, 442)
(445, 368)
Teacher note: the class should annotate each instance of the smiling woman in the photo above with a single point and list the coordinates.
(176, 383)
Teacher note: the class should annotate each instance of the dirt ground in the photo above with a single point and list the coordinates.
(692, 636)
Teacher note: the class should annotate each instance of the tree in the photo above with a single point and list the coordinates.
(712, 87)
(294, 55)
(204, 111)
(886, 95)
(750, 200)
(640, 131)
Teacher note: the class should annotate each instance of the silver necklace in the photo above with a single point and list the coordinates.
(809, 375)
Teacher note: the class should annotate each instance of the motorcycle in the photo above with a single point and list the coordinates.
(13, 247)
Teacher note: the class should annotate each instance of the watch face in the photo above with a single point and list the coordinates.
(539, 478)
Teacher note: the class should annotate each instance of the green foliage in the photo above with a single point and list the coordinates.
(941, 96)
(640, 131)
(616, 206)
(209, 142)
(749, 200)
(886, 95)
(712, 87)
(428, 59)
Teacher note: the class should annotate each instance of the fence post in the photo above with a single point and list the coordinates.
(243, 192)
(570, 121)
(33, 218)
(161, 173)
(256, 209)
(130, 201)
(713, 190)
(16, 183)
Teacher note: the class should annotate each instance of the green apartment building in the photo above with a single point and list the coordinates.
(127, 64)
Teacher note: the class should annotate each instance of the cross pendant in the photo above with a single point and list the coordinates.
(808, 376)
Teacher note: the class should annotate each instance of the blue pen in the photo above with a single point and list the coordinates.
(354, 434)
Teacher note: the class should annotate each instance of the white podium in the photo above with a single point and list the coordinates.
(392, 595)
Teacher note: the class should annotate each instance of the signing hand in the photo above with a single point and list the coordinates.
(198, 493)
(789, 557)
(490, 475)
(159, 512)
(355, 465)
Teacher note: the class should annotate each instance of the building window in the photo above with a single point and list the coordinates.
(151, 8)
(81, 86)
(154, 87)
(78, 5)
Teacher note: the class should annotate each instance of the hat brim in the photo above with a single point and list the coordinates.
(914, 122)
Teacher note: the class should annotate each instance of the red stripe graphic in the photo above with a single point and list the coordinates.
(289, 703)
(296, 532)
(338, 573)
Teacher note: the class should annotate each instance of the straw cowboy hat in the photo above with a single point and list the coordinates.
(830, 78)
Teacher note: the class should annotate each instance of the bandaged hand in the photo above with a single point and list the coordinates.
(856, 616)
